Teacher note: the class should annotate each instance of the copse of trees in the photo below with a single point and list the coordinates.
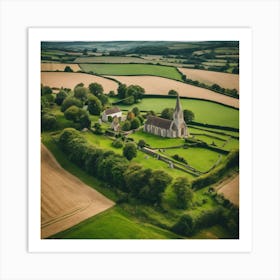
(115, 170)
(188, 116)
(130, 94)
(173, 92)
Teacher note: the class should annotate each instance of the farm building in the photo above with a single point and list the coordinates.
(111, 112)
(168, 128)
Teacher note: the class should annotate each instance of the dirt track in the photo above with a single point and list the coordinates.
(159, 85)
(65, 200)
(230, 189)
(70, 80)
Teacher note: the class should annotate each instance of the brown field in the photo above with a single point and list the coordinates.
(65, 200)
(225, 80)
(70, 80)
(230, 190)
(59, 66)
(159, 85)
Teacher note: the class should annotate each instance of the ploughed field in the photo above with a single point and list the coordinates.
(70, 80)
(159, 85)
(59, 66)
(230, 189)
(225, 80)
(65, 200)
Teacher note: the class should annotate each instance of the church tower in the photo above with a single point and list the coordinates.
(179, 124)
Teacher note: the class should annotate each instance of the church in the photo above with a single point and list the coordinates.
(168, 128)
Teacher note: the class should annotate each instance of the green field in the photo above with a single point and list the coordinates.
(133, 69)
(205, 111)
(199, 158)
(115, 223)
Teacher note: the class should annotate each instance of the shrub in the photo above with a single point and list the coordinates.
(94, 105)
(126, 125)
(117, 143)
(135, 123)
(62, 94)
(130, 151)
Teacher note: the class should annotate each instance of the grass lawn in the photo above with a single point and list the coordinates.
(133, 69)
(199, 158)
(156, 141)
(204, 111)
(114, 223)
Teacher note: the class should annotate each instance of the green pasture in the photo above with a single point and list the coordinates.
(199, 158)
(214, 130)
(110, 59)
(156, 141)
(114, 223)
(204, 111)
(133, 69)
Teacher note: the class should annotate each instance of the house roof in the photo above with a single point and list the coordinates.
(159, 122)
(112, 110)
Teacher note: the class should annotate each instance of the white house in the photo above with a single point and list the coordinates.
(111, 112)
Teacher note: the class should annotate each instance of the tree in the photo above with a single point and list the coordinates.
(157, 185)
(121, 91)
(73, 113)
(188, 116)
(167, 113)
(136, 91)
(68, 69)
(130, 151)
(96, 89)
(60, 97)
(130, 116)
(45, 90)
(126, 125)
(47, 100)
(172, 92)
(111, 93)
(136, 111)
(118, 143)
(80, 93)
(183, 192)
(85, 52)
(135, 123)
(103, 99)
(141, 143)
(94, 105)
(129, 100)
(185, 225)
(48, 122)
(79, 85)
(69, 101)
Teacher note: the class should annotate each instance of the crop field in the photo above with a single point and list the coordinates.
(59, 66)
(225, 80)
(104, 226)
(79, 200)
(133, 69)
(230, 189)
(70, 80)
(199, 158)
(110, 59)
(159, 85)
(203, 110)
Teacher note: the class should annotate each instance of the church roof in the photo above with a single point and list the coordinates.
(112, 110)
(159, 122)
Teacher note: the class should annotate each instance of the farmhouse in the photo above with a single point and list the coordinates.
(168, 128)
(111, 112)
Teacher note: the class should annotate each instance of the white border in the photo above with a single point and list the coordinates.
(36, 35)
